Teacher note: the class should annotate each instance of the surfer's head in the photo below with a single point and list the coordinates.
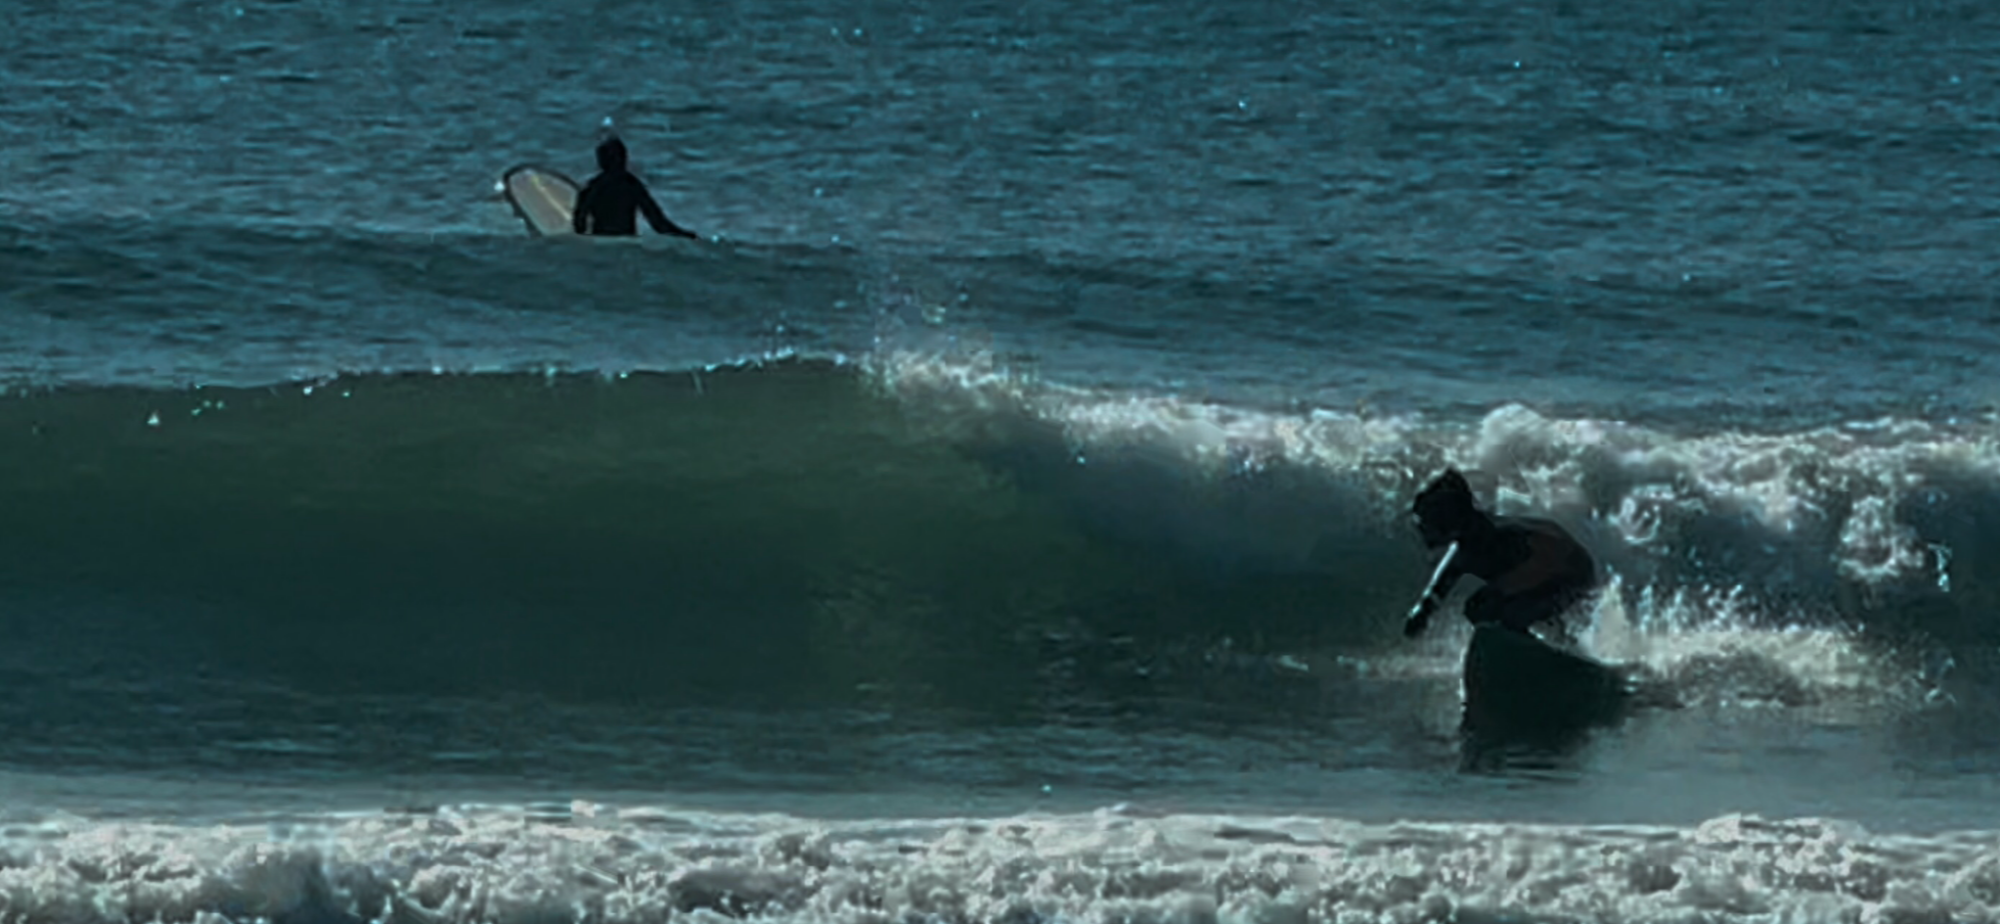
(1445, 510)
(611, 154)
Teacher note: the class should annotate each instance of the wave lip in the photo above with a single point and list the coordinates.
(641, 864)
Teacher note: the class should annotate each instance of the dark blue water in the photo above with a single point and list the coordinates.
(999, 515)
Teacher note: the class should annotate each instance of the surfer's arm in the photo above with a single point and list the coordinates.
(658, 218)
(1447, 574)
(1420, 615)
(579, 214)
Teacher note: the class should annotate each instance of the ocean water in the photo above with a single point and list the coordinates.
(1000, 515)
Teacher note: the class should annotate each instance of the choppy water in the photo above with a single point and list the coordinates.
(999, 518)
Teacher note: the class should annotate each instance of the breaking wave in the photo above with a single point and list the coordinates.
(939, 525)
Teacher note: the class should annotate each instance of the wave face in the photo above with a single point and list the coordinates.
(797, 529)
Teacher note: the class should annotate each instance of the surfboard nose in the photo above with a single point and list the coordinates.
(541, 197)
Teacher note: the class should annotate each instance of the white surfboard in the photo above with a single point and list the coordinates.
(542, 197)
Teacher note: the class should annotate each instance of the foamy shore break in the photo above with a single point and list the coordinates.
(591, 863)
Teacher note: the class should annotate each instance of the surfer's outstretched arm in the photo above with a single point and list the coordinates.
(1447, 574)
(658, 218)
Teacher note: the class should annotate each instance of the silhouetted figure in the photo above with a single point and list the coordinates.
(609, 202)
(1533, 569)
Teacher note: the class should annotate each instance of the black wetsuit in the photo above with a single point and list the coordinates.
(610, 202)
(1534, 570)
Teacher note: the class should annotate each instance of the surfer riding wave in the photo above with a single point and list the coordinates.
(1534, 570)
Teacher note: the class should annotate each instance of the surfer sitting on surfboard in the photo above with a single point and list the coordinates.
(1533, 569)
(606, 205)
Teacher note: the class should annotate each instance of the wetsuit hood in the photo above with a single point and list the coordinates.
(611, 155)
(1445, 512)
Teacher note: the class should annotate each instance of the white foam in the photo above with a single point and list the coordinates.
(1836, 485)
(1732, 551)
(609, 864)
